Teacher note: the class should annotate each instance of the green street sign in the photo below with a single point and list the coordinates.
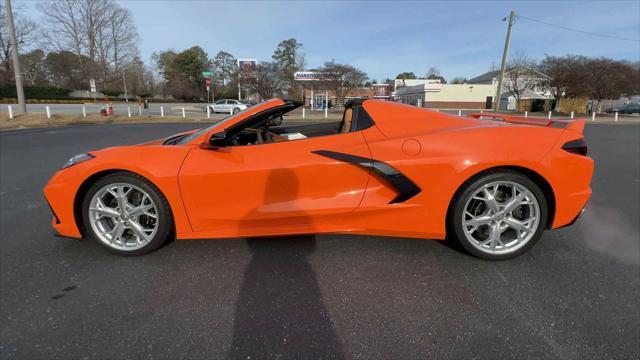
(207, 74)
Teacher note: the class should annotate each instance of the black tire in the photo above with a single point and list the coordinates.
(455, 230)
(165, 230)
(236, 110)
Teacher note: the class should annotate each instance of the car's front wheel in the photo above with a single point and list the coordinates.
(127, 214)
(499, 215)
(236, 110)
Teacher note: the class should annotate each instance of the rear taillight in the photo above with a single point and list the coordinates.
(576, 147)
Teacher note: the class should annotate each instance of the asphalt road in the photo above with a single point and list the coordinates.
(576, 295)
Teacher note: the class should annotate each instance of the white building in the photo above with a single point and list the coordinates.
(400, 83)
(433, 94)
(477, 93)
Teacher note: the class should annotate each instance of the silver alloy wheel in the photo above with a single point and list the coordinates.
(236, 110)
(501, 217)
(123, 216)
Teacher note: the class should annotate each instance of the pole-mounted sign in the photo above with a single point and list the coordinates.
(208, 75)
(94, 89)
(246, 68)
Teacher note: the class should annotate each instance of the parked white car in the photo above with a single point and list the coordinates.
(227, 106)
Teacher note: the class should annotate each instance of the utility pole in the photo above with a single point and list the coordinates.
(22, 106)
(124, 82)
(505, 53)
(239, 91)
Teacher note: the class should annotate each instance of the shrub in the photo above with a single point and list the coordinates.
(111, 92)
(35, 92)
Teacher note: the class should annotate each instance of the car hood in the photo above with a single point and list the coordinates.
(164, 139)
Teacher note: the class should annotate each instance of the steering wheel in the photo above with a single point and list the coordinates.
(259, 134)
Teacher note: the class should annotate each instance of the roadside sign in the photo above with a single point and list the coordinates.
(207, 74)
(247, 65)
(312, 76)
(92, 84)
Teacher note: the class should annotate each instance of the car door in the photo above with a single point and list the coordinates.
(219, 106)
(228, 107)
(273, 188)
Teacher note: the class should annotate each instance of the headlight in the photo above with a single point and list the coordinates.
(77, 160)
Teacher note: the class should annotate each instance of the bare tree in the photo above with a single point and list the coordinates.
(608, 79)
(301, 61)
(62, 30)
(634, 78)
(520, 76)
(434, 74)
(433, 71)
(100, 33)
(140, 79)
(25, 35)
(342, 79)
(34, 69)
(565, 76)
(268, 81)
(117, 44)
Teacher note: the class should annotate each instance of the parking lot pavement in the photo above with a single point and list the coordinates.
(574, 295)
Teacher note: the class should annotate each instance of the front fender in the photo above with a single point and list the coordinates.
(158, 164)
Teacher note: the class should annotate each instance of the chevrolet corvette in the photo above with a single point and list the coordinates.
(492, 183)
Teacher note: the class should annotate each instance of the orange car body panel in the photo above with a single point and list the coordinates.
(285, 188)
(253, 191)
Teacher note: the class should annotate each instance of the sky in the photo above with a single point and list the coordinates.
(384, 38)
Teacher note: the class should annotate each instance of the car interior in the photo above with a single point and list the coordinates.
(270, 129)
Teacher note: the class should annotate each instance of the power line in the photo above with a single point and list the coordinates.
(577, 30)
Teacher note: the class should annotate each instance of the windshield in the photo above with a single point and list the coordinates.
(187, 139)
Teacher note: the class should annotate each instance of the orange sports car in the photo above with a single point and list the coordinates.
(493, 183)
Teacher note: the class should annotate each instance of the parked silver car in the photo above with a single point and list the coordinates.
(227, 106)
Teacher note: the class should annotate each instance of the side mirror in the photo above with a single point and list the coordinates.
(217, 140)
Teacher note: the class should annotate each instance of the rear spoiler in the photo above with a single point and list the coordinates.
(570, 124)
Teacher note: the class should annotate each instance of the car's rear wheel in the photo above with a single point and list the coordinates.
(499, 215)
(127, 214)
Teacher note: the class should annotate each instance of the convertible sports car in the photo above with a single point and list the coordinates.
(493, 183)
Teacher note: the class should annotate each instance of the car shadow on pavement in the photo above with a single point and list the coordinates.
(280, 312)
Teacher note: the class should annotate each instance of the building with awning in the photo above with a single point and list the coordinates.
(317, 94)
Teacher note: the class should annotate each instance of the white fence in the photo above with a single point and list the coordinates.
(123, 109)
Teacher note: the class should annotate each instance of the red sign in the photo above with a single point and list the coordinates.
(207, 81)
